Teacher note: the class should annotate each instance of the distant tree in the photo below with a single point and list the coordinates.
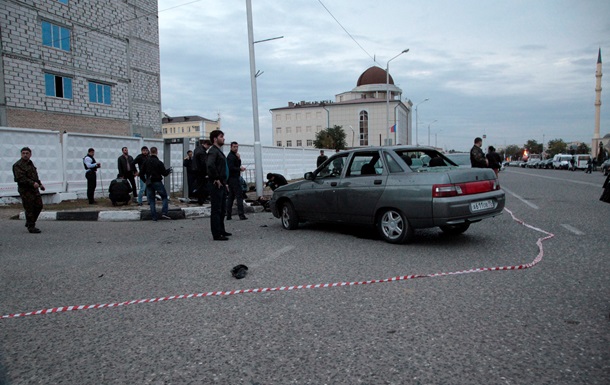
(556, 146)
(533, 147)
(331, 138)
(513, 151)
(583, 149)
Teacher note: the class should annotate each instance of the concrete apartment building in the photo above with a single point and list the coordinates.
(193, 126)
(362, 112)
(81, 66)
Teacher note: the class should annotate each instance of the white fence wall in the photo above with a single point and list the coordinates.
(59, 158)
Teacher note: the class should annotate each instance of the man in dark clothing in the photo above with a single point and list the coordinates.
(477, 158)
(275, 180)
(119, 190)
(187, 163)
(218, 171)
(139, 161)
(201, 171)
(154, 171)
(91, 174)
(321, 159)
(28, 185)
(493, 159)
(127, 170)
(235, 191)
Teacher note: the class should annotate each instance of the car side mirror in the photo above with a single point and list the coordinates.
(309, 175)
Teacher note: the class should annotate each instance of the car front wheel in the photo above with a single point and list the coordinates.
(289, 218)
(455, 229)
(394, 227)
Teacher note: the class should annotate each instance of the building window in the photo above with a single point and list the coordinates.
(287, 116)
(289, 143)
(279, 143)
(318, 114)
(289, 130)
(309, 142)
(63, 1)
(299, 129)
(58, 86)
(299, 143)
(308, 115)
(318, 128)
(364, 128)
(278, 117)
(278, 130)
(55, 36)
(164, 130)
(308, 129)
(100, 93)
(298, 117)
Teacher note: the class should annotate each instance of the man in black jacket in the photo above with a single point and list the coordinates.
(201, 171)
(119, 190)
(28, 185)
(218, 171)
(275, 180)
(139, 162)
(235, 192)
(477, 158)
(127, 170)
(154, 171)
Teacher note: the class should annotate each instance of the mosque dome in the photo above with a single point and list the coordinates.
(373, 75)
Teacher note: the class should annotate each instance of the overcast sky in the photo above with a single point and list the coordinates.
(513, 70)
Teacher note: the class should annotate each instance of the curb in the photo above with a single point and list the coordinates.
(130, 215)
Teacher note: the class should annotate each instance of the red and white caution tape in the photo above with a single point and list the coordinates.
(536, 260)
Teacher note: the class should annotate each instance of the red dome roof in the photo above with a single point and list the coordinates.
(373, 75)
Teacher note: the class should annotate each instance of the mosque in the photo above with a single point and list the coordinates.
(371, 114)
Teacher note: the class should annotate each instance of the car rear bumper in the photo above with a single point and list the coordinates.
(456, 210)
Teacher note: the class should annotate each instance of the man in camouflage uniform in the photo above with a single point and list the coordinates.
(28, 184)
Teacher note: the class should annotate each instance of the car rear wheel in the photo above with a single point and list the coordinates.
(289, 218)
(394, 227)
(455, 229)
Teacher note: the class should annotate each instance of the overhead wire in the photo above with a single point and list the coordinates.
(346, 31)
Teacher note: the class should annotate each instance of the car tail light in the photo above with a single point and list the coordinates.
(469, 188)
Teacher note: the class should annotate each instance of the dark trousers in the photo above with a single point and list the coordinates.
(190, 177)
(32, 204)
(235, 192)
(218, 198)
(132, 181)
(91, 184)
(202, 189)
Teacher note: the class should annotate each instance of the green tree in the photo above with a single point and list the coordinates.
(533, 147)
(331, 138)
(583, 149)
(513, 151)
(556, 146)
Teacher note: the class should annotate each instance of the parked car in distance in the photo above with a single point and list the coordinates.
(532, 162)
(562, 161)
(545, 163)
(397, 189)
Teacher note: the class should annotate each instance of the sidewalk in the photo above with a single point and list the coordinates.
(81, 210)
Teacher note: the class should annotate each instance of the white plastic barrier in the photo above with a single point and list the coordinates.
(59, 158)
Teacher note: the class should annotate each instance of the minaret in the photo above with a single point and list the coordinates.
(598, 102)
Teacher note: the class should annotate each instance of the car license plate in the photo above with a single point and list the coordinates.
(481, 205)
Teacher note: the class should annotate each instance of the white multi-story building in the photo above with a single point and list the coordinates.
(363, 113)
(81, 66)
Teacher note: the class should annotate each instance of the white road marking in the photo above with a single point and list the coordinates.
(530, 204)
(572, 229)
(273, 256)
(555, 178)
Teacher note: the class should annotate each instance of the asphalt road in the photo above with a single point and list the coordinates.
(545, 325)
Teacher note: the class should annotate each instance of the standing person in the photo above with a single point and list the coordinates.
(139, 162)
(190, 172)
(91, 174)
(154, 171)
(127, 170)
(589, 166)
(493, 159)
(321, 159)
(235, 192)
(218, 171)
(28, 185)
(201, 176)
(477, 158)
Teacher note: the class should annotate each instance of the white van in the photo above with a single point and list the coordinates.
(580, 161)
(562, 161)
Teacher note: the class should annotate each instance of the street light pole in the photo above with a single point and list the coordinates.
(429, 130)
(417, 122)
(387, 96)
